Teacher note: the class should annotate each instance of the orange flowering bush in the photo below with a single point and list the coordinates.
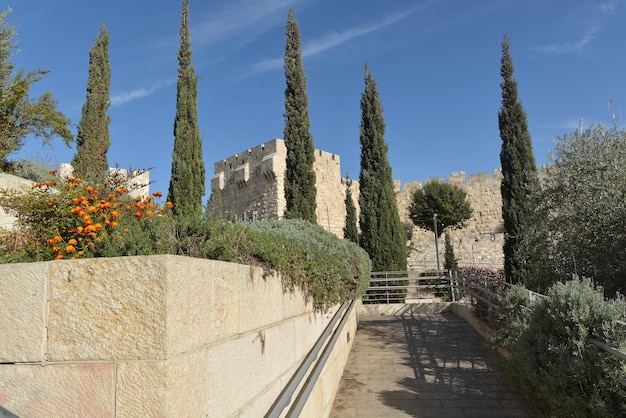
(71, 220)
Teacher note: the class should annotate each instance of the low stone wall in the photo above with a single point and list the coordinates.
(153, 336)
(10, 182)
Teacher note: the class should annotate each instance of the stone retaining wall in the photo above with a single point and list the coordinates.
(154, 336)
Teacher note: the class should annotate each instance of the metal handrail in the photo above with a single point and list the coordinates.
(311, 362)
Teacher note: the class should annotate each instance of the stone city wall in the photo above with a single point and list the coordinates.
(252, 187)
(155, 336)
(479, 242)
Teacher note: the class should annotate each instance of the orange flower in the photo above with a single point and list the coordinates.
(59, 257)
(138, 215)
(92, 209)
(79, 229)
(140, 206)
(53, 172)
(137, 199)
(157, 194)
(150, 214)
(75, 201)
(115, 214)
(89, 189)
(170, 205)
(113, 224)
(57, 239)
(70, 249)
(51, 242)
(72, 242)
(97, 227)
(50, 204)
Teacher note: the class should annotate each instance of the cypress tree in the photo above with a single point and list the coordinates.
(90, 161)
(450, 263)
(519, 172)
(186, 187)
(300, 190)
(350, 231)
(382, 234)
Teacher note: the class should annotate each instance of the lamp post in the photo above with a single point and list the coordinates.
(436, 238)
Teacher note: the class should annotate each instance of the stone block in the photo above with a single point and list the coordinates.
(107, 308)
(187, 385)
(237, 370)
(59, 390)
(211, 301)
(295, 303)
(23, 311)
(280, 349)
(254, 292)
(141, 389)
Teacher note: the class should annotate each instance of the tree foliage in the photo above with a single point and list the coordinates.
(447, 201)
(583, 195)
(350, 231)
(382, 234)
(93, 140)
(21, 116)
(300, 190)
(187, 179)
(518, 170)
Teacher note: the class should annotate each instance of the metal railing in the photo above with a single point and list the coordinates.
(403, 286)
(303, 381)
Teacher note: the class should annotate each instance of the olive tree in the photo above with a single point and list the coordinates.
(583, 197)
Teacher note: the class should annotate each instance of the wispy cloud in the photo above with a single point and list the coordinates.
(593, 18)
(334, 39)
(570, 47)
(608, 6)
(139, 93)
(241, 18)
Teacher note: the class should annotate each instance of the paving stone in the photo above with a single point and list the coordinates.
(424, 365)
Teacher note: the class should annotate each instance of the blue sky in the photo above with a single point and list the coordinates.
(436, 63)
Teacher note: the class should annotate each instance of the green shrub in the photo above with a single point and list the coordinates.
(552, 355)
(31, 170)
(329, 269)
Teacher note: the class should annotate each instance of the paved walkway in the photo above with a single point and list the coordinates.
(424, 365)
